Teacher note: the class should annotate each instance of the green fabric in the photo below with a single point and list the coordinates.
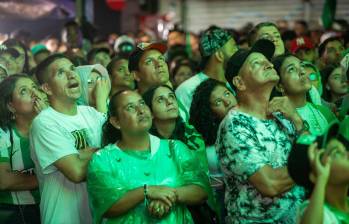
(112, 172)
(24, 144)
(328, 13)
(344, 128)
(6, 196)
(4, 159)
(189, 136)
(21, 161)
(27, 161)
(327, 113)
(342, 217)
(194, 141)
(181, 107)
(344, 109)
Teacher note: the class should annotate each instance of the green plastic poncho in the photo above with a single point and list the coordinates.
(112, 172)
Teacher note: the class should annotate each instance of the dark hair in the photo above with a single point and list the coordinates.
(180, 63)
(7, 87)
(253, 33)
(302, 22)
(149, 94)
(92, 53)
(179, 131)
(298, 166)
(325, 74)
(110, 133)
(78, 60)
(11, 43)
(71, 23)
(202, 117)
(278, 61)
(177, 51)
(113, 61)
(288, 35)
(322, 46)
(41, 70)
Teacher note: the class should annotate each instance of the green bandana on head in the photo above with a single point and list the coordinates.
(212, 40)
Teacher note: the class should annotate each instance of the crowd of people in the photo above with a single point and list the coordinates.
(224, 126)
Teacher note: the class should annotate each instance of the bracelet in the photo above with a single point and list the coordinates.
(145, 191)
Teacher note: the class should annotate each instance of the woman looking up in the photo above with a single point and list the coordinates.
(137, 177)
(20, 102)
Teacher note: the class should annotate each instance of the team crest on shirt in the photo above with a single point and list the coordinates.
(80, 137)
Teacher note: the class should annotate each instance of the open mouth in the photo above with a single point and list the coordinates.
(73, 85)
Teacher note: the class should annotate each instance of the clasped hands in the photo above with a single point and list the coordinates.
(161, 199)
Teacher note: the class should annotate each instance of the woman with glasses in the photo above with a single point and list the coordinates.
(95, 86)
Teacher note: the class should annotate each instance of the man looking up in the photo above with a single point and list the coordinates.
(63, 138)
(148, 65)
(254, 141)
(330, 50)
(269, 31)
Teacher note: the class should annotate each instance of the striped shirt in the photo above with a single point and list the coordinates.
(21, 162)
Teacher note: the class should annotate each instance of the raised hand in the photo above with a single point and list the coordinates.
(282, 105)
(40, 102)
(320, 163)
(102, 89)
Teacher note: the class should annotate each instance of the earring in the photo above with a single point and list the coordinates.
(13, 116)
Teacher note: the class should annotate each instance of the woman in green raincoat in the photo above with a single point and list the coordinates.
(137, 177)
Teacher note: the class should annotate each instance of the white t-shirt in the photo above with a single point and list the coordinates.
(54, 135)
(330, 217)
(185, 92)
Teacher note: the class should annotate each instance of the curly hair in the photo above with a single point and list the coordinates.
(202, 117)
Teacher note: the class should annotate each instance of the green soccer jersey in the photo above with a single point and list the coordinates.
(17, 155)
